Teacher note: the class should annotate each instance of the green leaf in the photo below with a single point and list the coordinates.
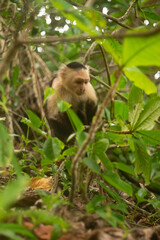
(52, 148)
(61, 5)
(15, 228)
(75, 121)
(47, 93)
(141, 51)
(92, 164)
(9, 234)
(149, 115)
(101, 146)
(140, 80)
(35, 120)
(8, 196)
(87, 20)
(135, 104)
(72, 14)
(115, 181)
(152, 15)
(113, 47)
(15, 75)
(63, 106)
(151, 137)
(120, 109)
(122, 82)
(6, 147)
(142, 161)
(123, 167)
(70, 151)
(81, 136)
(115, 196)
(140, 195)
(99, 150)
(95, 203)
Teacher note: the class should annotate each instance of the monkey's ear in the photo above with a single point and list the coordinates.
(62, 70)
(87, 68)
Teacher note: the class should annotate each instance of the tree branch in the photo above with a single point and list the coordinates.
(81, 151)
(109, 87)
(52, 39)
(127, 13)
(88, 53)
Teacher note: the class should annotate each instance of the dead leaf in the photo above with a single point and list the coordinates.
(41, 183)
(28, 224)
(69, 236)
(43, 232)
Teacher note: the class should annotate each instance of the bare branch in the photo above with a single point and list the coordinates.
(120, 35)
(9, 56)
(88, 53)
(109, 87)
(127, 13)
(81, 151)
(105, 63)
(89, 3)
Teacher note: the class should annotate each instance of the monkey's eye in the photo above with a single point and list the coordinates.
(86, 81)
(79, 81)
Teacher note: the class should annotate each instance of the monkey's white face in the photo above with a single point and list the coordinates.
(77, 81)
(80, 85)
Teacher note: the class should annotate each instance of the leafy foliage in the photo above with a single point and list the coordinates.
(36, 37)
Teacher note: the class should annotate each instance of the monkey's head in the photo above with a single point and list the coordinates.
(75, 77)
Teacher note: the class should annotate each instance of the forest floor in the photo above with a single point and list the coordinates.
(81, 225)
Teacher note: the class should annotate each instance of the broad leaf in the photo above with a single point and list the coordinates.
(141, 51)
(142, 161)
(52, 148)
(113, 47)
(47, 93)
(92, 164)
(115, 196)
(100, 146)
(80, 136)
(63, 106)
(151, 137)
(115, 181)
(140, 195)
(11, 229)
(75, 121)
(95, 203)
(120, 109)
(140, 80)
(135, 104)
(99, 150)
(123, 167)
(8, 196)
(84, 20)
(149, 115)
(36, 121)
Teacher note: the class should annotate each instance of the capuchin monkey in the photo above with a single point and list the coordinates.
(71, 84)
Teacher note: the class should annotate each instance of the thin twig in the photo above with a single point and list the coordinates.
(89, 3)
(96, 121)
(88, 53)
(127, 13)
(109, 87)
(106, 64)
(56, 178)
